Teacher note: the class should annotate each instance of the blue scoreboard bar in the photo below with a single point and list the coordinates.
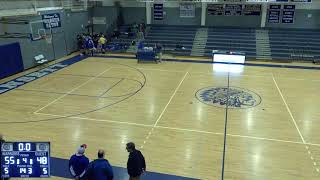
(25, 159)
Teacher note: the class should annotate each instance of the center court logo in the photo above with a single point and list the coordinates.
(238, 97)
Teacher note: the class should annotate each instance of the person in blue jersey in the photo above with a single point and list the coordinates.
(89, 45)
(136, 164)
(78, 163)
(99, 169)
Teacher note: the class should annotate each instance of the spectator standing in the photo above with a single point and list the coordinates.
(102, 44)
(159, 51)
(136, 164)
(78, 163)
(99, 169)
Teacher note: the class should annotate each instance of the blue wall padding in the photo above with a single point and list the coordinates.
(10, 59)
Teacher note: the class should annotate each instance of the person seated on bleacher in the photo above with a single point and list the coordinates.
(140, 45)
(116, 33)
(135, 27)
(180, 47)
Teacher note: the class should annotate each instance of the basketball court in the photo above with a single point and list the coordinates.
(174, 112)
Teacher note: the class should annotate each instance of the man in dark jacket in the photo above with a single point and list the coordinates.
(136, 164)
(99, 169)
(78, 163)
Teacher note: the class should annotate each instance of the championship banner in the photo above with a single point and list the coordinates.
(215, 9)
(158, 11)
(252, 10)
(233, 10)
(187, 10)
(288, 14)
(274, 13)
(99, 20)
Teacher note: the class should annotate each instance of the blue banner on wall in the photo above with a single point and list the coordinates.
(158, 11)
(288, 14)
(278, 1)
(233, 10)
(274, 13)
(275, 7)
(252, 10)
(307, 1)
(51, 20)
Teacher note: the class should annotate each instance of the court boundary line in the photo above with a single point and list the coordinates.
(296, 125)
(208, 73)
(178, 129)
(288, 109)
(60, 97)
(164, 109)
(211, 62)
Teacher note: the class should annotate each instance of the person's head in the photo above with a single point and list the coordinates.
(101, 154)
(1, 137)
(130, 147)
(81, 149)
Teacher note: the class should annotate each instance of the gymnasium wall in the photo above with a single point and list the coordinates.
(307, 16)
(108, 12)
(138, 17)
(133, 11)
(172, 15)
(234, 21)
(63, 38)
(27, 4)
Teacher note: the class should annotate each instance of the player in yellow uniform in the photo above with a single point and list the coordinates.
(102, 44)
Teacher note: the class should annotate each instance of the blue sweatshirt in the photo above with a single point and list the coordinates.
(99, 169)
(78, 164)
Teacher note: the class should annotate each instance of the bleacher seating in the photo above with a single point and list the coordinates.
(227, 39)
(170, 37)
(294, 44)
(285, 44)
(122, 43)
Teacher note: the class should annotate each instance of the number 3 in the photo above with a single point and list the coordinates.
(29, 170)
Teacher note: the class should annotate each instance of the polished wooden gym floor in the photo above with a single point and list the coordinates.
(106, 103)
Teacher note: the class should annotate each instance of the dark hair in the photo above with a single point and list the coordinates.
(100, 153)
(131, 146)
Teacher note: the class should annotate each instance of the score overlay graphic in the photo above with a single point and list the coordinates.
(25, 159)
